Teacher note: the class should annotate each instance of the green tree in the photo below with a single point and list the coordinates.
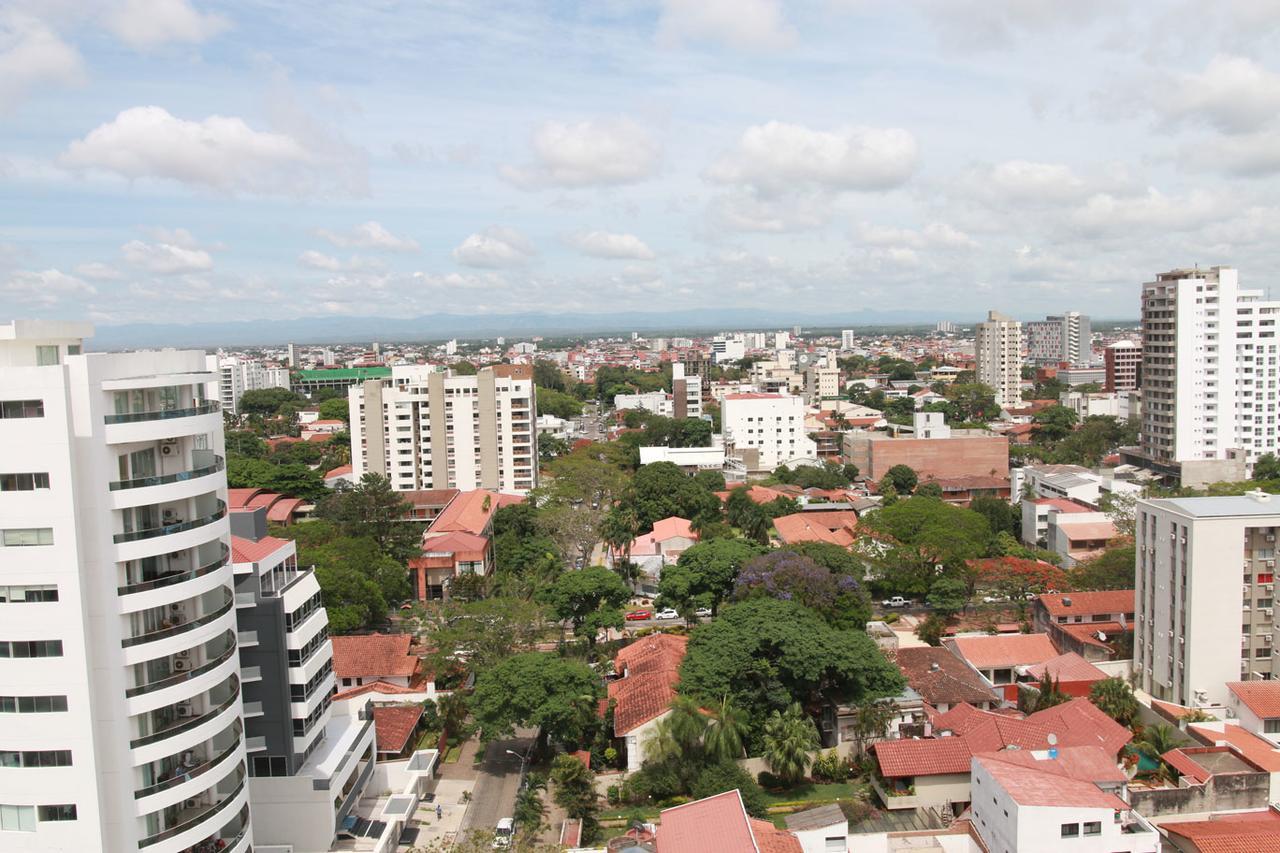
(930, 629)
(929, 489)
(538, 690)
(1266, 468)
(482, 633)
(726, 732)
(998, 512)
(756, 525)
(1046, 694)
(529, 810)
(557, 403)
(850, 471)
(902, 478)
(927, 533)
(738, 505)
(712, 481)
(241, 442)
(722, 776)
(834, 557)
(662, 490)
(1114, 697)
(703, 576)
(371, 508)
(1156, 740)
(1114, 568)
(870, 722)
(789, 737)
(547, 374)
(335, 410)
(589, 599)
(948, 596)
(973, 402)
(351, 598)
(269, 401)
(295, 480)
(678, 736)
(575, 788)
(1053, 423)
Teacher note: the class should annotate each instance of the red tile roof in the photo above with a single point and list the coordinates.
(394, 725)
(652, 672)
(340, 471)
(471, 512)
(834, 526)
(950, 683)
(240, 497)
(249, 551)
(376, 655)
(690, 827)
(671, 528)
(1257, 749)
(1045, 783)
(283, 509)
(1004, 650)
(382, 687)
(1260, 697)
(1230, 836)
(1087, 632)
(770, 839)
(1080, 723)
(1062, 504)
(1068, 667)
(463, 546)
(930, 757)
(654, 653)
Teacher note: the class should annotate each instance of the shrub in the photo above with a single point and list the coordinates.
(613, 794)
(890, 618)
(768, 780)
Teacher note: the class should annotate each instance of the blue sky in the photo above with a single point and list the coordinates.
(177, 160)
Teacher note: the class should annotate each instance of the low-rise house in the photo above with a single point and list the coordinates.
(1210, 779)
(459, 541)
(824, 829)
(721, 824)
(837, 527)
(1035, 517)
(1078, 536)
(1095, 625)
(942, 679)
(281, 509)
(647, 672)
(1071, 674)
(1256, 704)
(660, 547)
(1256, 748)
(397, 727)
(998, 657)
(365, 658)
(1249, 832)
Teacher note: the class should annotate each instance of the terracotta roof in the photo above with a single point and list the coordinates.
(464, 546)
(1005, 650)
(1257, 749)
(1229, 836)
(1080, 723)
(394, 725)
(429, 497)
(1062, 504)
(672, 527)
(1260, 697)
(471, 512)
(687, 828)
(952, 682)
(1045, 784)
(340, 471)
(240, 497)
(283, 509)
(263, 499)
(930, 757)
(385, 688)
(770, 839)
(365, 655)
(640, 698)
(834, 526)
(758, 494)
(1087, 530)
(1089, 763)
(654, 653)
(249, 551)
(1186, 766)
(1086, 632)
(1068, 667)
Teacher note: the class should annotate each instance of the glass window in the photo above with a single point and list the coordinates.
(21, 408)
(73, 349)
(1070, 830)
(23, 482)
(18, 536)
(17, 818)
(66, 811)
(46, 355)
(18, 594)
(1093, 827)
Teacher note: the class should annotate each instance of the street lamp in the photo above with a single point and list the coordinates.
(523, 759)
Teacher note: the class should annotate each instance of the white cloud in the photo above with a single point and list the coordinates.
(494, 248)
(368, 235)
(747, 210)
(602, 244)
(165, 258)
(31, 55)
(589, 153)
(778, 157)
(1232, 94)
(1105, 215)
(990, 24)
(174, 236)
(45, 288)
(743, 24)
(220, 152)
(933, 235)
(144, 24)
(319, 261)
(1250, 155)
(1037, 183)
(99, 271)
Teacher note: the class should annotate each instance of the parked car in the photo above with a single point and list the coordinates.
(702, 612)
(896, 601)
(639, 615)
(503, 834)
(667, 613)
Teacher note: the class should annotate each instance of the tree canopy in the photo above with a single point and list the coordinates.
(590, 599)
(704, 575)
(902, 477)
(839, 598)
(537, 690)
(558, 403)
(662, 490)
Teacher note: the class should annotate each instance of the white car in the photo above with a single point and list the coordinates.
(702, 612)
(505, 831)
(666, 613)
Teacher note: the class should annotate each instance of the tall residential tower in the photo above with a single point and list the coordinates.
(998, 352)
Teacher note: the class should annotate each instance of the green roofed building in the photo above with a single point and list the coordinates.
(310, 381)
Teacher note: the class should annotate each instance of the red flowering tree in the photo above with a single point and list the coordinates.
(1016, 577)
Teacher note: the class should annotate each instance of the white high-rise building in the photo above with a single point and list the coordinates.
(727, 349)
(1186, 647)
(1062, 338)
(237, 375)
(998, 352)
(766, 430)
(1209, 367)
(430, 429)
(120, 707)
(846, 339)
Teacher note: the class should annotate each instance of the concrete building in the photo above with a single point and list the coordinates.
(426, 429)
(1185, 650)
(846, 339)
(998, 354)
(933, 451)
(651, 401)
(118, 617)
(1122, 363)
(686, 392)
(1064, 338)
(1209, 371)
(237, 375)
(1075, 376)
(764, 431)
(821, 383)
(727, 349)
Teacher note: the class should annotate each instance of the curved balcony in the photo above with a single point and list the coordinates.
(182, 775)
(191, 722)
(180, 677)
(177, 577)
(166, 529)
(198, 817)
(165, 479)
(163, 633)
(205, 408)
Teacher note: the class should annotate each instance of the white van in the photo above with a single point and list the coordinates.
(505, 831)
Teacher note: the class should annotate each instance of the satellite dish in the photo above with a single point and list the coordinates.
(1053, 739)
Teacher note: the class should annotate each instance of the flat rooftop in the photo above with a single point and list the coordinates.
(1234, 506)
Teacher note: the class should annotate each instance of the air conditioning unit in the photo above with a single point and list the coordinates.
(1182, 640)
(181, 665)
(1184, 540)
(1266, 611)
(169, 447)
(176, 607)
(1271, 564)
(1266, 638)
(185, 709)
(185, 653)
(1271, 537)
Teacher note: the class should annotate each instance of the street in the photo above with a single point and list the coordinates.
(494, 794)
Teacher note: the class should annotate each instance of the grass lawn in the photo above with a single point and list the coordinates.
(429, 740)
(454, 753)
(815, 793)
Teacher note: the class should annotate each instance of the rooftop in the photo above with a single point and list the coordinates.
(1220, 507)
(1068, 667)
(394, 725)
(940, 677)
(999, 651)
(1088, 603)
(1260, 697)
(373, 655)
(1042, 781)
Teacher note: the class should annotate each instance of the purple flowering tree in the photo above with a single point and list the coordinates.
(788, 576)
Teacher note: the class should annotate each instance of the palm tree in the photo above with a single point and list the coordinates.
(618, 530)
(1155, 741)
(726, 731)
(788, 739)
(679, 734)
(756, 526)
(871, 720)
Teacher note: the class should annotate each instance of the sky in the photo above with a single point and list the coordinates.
(186, 161)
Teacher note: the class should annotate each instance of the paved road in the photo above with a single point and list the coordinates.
(494, 794)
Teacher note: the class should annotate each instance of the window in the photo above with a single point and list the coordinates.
(1093, 827)
(73, 349)
(30, 648)
(21, 409)
(1271, 726)
(17, 818)
(41, 758)
(17, 536)
(18, 594)
(64, 811)
(23, 482)
(269, 765)
(46, 355)
(32, 704)
(1070, 830)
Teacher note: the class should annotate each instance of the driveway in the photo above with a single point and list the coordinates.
(494, 794)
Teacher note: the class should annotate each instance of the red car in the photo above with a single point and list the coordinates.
(639, 615)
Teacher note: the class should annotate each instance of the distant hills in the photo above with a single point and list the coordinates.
(439, 327)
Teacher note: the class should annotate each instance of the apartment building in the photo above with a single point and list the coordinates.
(1055, 339)
(998, 354)
(764, 431)
(686, 392)
(847, 340)
(1209, 368)
(821, 383)
(1185, 649)
(932, 450)
(308, 767)
(1122, 365)
(120, 690)
(429, 429)
(236, 375)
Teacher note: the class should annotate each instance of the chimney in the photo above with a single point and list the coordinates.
(933, 666)
(1066, 602)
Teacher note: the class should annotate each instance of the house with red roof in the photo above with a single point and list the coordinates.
(720, 824)
(281, 509)
(660, 547)
(1094, 625)
(360, 659)
(459, 539)
(1070, 673)
(1208, 779)
(1056, 799)
(837, 527)
(647, 672)
(942, 679)
(1256, 704)
(1001, 658)
(1248, 832)
(396, 727)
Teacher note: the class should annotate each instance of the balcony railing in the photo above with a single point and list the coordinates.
(166, 529)
(179, 677)
(173, 631)
(181, 775)
(163, 479)
(193, 821)
(176, 577)
(206, 408)
(190, 722)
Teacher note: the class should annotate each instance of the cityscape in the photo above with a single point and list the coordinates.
(652, 426)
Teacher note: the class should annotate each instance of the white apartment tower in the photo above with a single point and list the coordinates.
(1062, 338)
(998, 352)
(1209, 367)
(846, 339)
(429, 429)
(237, 375)
(766, 430)
(121, 726)
(1186, 648)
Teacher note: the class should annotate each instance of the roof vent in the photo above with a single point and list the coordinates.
(1066, 602)
(933, 666)
(1258, 495)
